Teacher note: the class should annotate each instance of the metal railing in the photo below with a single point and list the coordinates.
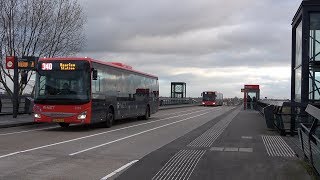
(165, 101)
(302, 119)
(6, 106)
(26, 103)
(283, 115)
(309, 138)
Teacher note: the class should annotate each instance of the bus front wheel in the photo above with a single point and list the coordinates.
(64, 125)
(109, 118)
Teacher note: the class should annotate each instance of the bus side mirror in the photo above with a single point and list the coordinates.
(201, 94)
(94, 74)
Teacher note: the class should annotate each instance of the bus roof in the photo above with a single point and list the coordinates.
(117, 65)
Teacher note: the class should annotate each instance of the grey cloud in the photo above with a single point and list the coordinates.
(160, 36)
(121, 20)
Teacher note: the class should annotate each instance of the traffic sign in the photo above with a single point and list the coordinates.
(10, 62)
(26, 62)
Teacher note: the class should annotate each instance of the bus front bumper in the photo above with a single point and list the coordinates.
(77, 119)
(208, 103)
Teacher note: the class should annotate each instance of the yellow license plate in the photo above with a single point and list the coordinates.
(58, 120)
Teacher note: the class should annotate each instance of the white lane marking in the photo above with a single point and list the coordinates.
(19, 132)
(180, 112)
(217, 108)
(92, 135)
(119, 170)
(136, 134)
(11, 154)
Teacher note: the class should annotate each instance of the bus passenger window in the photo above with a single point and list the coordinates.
(97, 84)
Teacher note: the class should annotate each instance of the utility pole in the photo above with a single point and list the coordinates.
(15, 89)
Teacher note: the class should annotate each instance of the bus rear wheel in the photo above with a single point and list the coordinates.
(109, 118)
(64, 125)
(146, 114)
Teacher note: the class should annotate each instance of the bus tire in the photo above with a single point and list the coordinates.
(64, 125)
(109, 118)
(147, 113)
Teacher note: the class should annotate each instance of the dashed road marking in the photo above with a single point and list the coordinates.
(217, 149)
(246, 137)
(231, 149)
(245, 149)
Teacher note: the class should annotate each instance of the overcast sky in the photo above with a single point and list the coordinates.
(215, 45)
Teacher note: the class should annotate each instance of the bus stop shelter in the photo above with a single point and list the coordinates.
(251, 94)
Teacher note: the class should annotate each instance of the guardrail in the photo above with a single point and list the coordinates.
(164, 101)
(25, 105)
(6, 106)
(309, 137)
(285, 116)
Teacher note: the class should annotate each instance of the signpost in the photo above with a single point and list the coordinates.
(25, 63)
(10, 62)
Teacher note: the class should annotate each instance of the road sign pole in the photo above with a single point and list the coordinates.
(25, 63)
(15, 89)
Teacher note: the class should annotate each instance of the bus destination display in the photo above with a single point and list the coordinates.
(62, 66)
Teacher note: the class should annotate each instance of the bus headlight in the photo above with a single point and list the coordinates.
(203, 103)
(82, 115)
(37, 115)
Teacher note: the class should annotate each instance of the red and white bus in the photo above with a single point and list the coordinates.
(84, 91)
(212, 98)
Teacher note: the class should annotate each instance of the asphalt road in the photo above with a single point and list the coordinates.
(92, 152)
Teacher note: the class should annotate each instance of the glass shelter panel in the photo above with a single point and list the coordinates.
(314, 38)
(299, 44)
(298, 84)
(314, 84)
(314, 55)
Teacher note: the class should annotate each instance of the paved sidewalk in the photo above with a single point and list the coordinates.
(235, 146)
(22, 119)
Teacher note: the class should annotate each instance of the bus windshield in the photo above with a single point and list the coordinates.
(209, 97)
(63, 87)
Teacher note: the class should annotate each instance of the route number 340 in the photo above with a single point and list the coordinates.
(46, 66)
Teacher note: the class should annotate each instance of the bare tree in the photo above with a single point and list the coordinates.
(38, 28)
